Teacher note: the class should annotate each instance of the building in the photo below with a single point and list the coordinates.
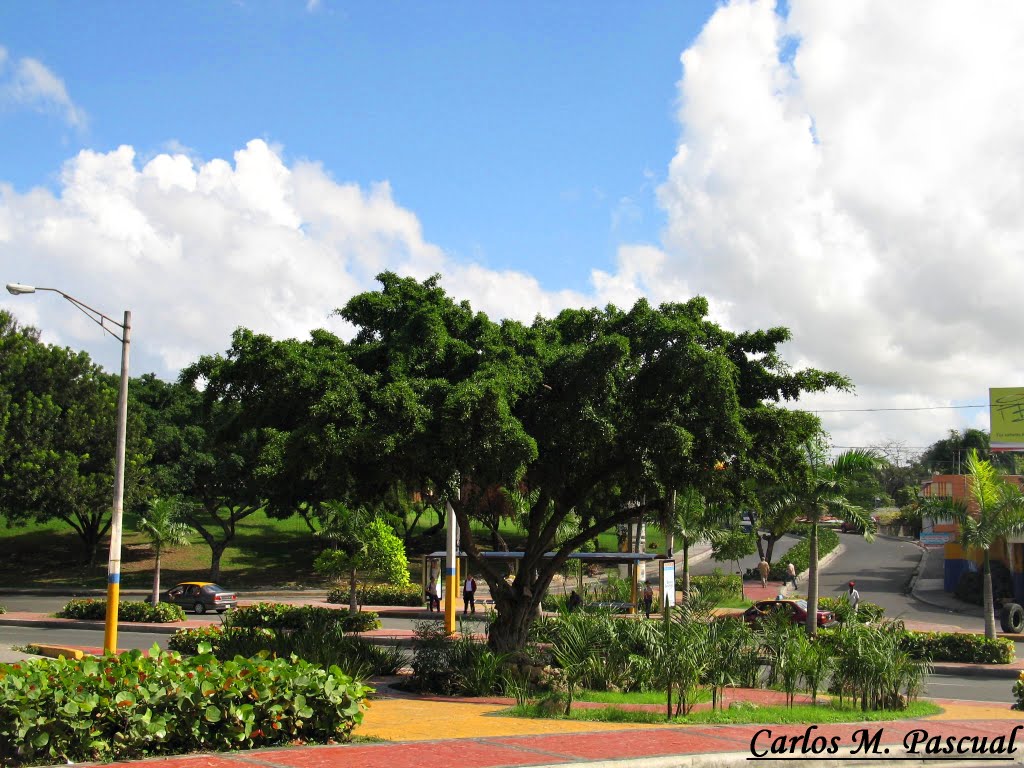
(944, 533)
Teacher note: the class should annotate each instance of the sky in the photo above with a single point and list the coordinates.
(850, 169)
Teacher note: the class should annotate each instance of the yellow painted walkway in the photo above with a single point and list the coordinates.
(412, 720)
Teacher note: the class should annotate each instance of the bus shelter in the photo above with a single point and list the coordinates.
(433, 568)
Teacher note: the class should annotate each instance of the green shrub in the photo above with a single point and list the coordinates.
(841, 608)
(800, 553)
(96, 610)
(162, 613)
(960, 647)
(133, 706)
(455, 666)
(3, 609)
(718, 585)
(282, 616)
(187, 640)
(380, 594)
(1018, 692)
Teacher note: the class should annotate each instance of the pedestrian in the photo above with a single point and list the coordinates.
(648, 599)
(764, 569)
(853, 596)
(575, 601)
(469, 594)
(791, 574)
(433, 599)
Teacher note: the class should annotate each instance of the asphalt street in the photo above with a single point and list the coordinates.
(882, 569)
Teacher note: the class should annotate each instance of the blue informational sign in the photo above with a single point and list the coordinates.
(936, 539)
(668, 583)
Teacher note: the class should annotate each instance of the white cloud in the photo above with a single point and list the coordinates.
(29, 83)
(867, 195)
(197, 249)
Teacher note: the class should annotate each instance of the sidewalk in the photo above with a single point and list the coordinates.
(437, 732)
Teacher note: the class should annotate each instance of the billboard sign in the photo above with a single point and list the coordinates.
(1006, 410)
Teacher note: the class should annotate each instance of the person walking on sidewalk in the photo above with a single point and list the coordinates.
(469, 594)
(853, 597)
(764, 569)
(648, 599)
(790, 574)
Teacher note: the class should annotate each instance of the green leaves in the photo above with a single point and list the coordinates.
(134, 706)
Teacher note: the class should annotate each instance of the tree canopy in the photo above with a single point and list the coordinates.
(602, 410)
(58, 416)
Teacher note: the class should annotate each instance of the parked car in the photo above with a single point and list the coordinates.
(795, 609)
(200, 597)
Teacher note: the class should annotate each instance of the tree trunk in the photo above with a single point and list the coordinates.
(771, 548)
(92, 545)
(510, 629)
(217, 550)
(353, 605)
(990, 604)
(156, 577)
(686, 567)
(812, 584)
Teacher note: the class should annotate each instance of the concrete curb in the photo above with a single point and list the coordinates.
(156, 629)
(734, 759)
(985, 671)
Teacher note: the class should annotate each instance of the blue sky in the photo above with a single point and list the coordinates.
(853, 171)
(521, 135)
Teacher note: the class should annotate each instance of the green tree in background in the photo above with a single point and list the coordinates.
(360, 545)
(58, 417)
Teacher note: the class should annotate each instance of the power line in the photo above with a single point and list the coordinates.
(874, 410)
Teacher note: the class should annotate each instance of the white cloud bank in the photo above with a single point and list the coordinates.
(198, 249)
(866, 192)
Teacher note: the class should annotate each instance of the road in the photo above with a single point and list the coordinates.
(882, 570)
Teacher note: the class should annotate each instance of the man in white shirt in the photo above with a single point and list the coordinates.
(853, 596)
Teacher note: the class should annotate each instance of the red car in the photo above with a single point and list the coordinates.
(795, 609)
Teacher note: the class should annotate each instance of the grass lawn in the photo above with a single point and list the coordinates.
(633, 697)
(775, 715)
(265, 553)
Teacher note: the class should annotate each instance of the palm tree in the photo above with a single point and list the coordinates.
(688, 521)
(824, 492)
(999, 513)
(163, 527)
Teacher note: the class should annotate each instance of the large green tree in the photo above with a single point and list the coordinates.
(58, 416)
(601, 410)
(993, 510)
(267, 425)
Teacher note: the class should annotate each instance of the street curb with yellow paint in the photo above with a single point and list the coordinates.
(56, 651)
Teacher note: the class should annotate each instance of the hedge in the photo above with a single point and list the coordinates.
(379, 594)
(959, 646)
(282, 616)
(800, 553)
(94, 609)
(723, 585)
(134, 706)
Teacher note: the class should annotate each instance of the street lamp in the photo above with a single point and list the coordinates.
(114, 563)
